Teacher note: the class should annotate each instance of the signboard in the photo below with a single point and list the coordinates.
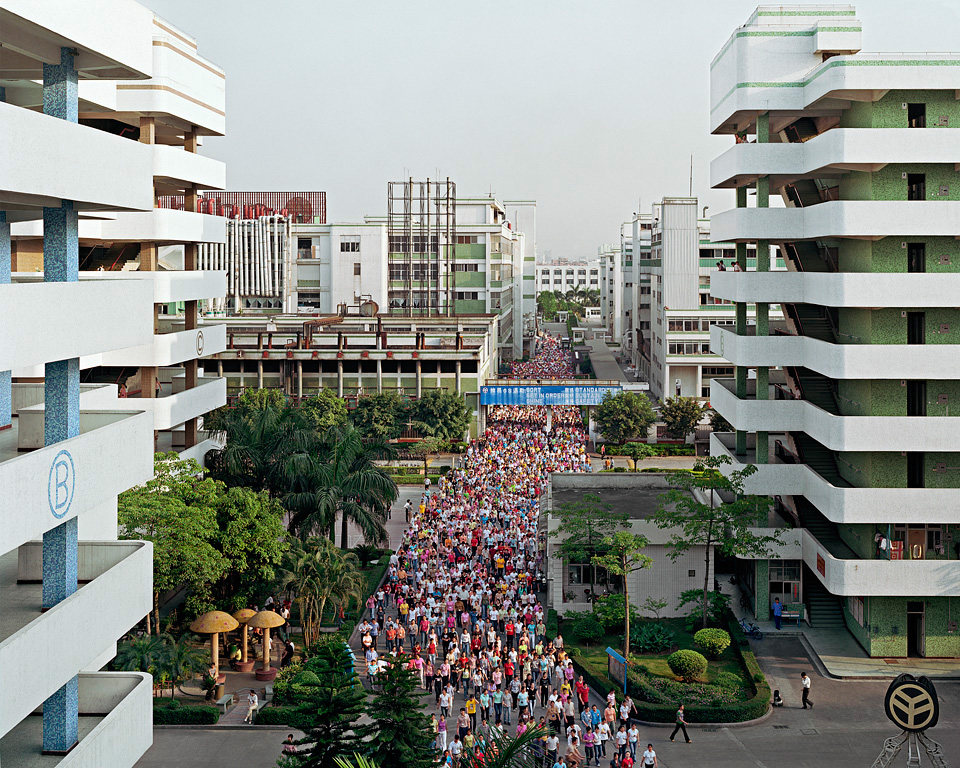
(911, 703)
(545, 395)
(617, 668)
(821, 565)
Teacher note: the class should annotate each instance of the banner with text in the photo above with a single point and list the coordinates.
(545, 395)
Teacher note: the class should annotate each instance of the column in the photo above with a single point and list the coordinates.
(339, 378)
(419, 379)
(62, 407)
(379, 376)
(6, 397)
(740, 372)
(762, 308)
(260, 374)
(459, 376)
(191, 308)
(299, 378)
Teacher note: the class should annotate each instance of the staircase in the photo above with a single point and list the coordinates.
(801, 130)
(820, 459)
(815, 388)
(808, 256)
(825, 610)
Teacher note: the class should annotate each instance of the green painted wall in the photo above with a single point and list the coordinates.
(889, 113)
(470, 279)
(470, 306)
(889, 184)
(888, 255)
(470, 251)
(886, 634)
(761, 606)
(889, 326)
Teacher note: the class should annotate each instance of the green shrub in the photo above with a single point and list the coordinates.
(712, 641)
(587, 630)
(172, 712)
(687, 665)
(553, 624)
(650, 637)
(307, 677)
(608, 610)
(294, 717)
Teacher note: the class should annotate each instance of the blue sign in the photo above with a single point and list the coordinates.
(573, 394)
(61, 483)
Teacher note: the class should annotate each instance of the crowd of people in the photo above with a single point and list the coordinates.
(461, 596)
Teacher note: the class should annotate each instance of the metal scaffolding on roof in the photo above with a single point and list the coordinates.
(421, 232)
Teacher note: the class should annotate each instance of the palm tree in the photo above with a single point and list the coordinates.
(341, 482)
(183, 658)
(141, 654)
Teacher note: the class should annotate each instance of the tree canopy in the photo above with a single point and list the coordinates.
(681, 415)
(442, 414)
(624, 416)
(623, 556)
(381, 416)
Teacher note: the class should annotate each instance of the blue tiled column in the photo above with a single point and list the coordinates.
(5, 398)
(61, 407)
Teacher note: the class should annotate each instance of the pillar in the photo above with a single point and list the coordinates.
(260, 374)
(299, 378)
(6, 396)
(339, 378)
(419, 379)
(62, 409)
(379, 377)
(191, 368)
(459, 378)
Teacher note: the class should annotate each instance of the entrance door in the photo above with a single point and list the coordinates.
(915, 628)
(916, 541)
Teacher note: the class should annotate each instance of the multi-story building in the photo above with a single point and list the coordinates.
(182, 101)
(856, 438)
(566, 276)
(523, 216)
(612, 260)
(673, 351)
(96, 110)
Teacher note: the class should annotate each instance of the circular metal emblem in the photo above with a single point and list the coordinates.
(199, 343)
(61, 484)
(911, 703)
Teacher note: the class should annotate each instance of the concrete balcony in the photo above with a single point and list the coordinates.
(171, 348)
(159, 225)
(167, 287)
(54, 160)
(840, 289)
(43, 322)
(881, 578)
(838, 361)
(79, 477)
(866, 219)
(34, 659)
(173, 166)
(116, 716)
(938, 506)
(173, 409)
(838, 433)
(839, 149)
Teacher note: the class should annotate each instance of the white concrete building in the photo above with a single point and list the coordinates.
(676, 311)
(612, 259)
(569, 276)
(855, 436)
(69, 174)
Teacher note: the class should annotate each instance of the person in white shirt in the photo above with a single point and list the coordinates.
(633, 736)
(253, 703)
(650, 757)
(603, 736)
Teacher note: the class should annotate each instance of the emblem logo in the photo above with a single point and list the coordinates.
(199, 343)
(911, 703)
(61, 484)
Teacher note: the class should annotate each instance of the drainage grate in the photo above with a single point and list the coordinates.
(780, 727)
(809, 731)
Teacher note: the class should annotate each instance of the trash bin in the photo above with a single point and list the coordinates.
(218, 692)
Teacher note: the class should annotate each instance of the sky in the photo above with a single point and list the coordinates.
(591, 107)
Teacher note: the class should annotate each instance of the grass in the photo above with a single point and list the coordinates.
(593, 658)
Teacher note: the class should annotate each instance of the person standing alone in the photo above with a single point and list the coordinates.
(777, 611)
(805, 691)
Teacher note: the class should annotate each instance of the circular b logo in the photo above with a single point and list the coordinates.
(911, 703)
(199, 343)
(61, 483)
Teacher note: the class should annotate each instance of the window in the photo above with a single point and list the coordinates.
(473, 268)
(356, 269)
(785, 578)
(467, 239)
(466, 295)
(916, 186)
(304, 247)
(350, 244)
(855, 606)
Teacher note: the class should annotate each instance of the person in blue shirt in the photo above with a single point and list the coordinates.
(777, 611)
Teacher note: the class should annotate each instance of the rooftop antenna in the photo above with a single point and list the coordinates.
(691, 175)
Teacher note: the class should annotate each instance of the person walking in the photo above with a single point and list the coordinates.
(650, 757)
(681, 725)
(777, 611)
(805, 691)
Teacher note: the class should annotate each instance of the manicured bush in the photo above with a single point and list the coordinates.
(294, 717)
(172, 712)
(552, 623)
(608, 610)
(587, 630)
(712, 641)
(651, 637)
(687, 665)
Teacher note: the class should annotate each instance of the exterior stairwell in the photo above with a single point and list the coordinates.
(809, 256)
(825, 610)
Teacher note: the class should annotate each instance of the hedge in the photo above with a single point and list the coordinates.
(172, 712)
(294, 717)
(553, 623)
(413, 479)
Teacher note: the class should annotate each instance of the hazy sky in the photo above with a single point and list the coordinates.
(587, 106)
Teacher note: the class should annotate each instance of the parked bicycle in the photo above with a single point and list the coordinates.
(751, 630)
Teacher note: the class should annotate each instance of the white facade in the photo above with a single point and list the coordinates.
(853, 433)
(569, 276)
(58, 513)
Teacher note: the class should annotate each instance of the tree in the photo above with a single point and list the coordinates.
(182, 659)
(380, 416)
(442, 414)
(333, 710)
(547, 304)
(584, 526)
(399, 733)
(624, 415)
(176, 511)
(325, 409)
(718, 423)
(729, 527)
(681, 415)
(141, 654)
(250, 535)
(624, 556)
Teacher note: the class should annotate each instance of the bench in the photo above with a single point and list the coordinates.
(792, 611)
(267, 693)
(225, 701)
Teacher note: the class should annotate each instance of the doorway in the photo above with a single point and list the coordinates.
(916, 541)
(915, 628)
(916, 327)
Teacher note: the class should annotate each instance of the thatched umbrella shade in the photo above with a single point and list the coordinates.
(213, 623)
(243, 616)
(266, 620)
